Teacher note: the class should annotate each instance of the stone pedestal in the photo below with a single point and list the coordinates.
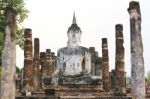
(137, 61)
(105, 65)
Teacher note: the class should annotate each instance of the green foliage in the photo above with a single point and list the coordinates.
(148, 77)
(18, 69)
(0, 72)
(1, 46)
(22, 12)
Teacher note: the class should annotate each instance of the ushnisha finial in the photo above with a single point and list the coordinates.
(74, 19)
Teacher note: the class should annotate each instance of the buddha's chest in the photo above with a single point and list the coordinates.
(73, 64)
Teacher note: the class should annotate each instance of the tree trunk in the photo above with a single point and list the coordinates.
(9, 56)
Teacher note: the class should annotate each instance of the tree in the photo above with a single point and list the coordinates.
(8, 69)
(19, 5)
(9, 55)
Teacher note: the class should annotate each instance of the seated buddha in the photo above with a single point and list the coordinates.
(73, 61)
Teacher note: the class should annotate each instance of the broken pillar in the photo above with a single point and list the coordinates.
(112, 79)
(137, 61)
(47, 69)
(28, 62)
(105, 65)
(7, 85)
(53, 63)
(42, 63)
(36, 65)
(98, 67)
(93, 60)
(119, 62)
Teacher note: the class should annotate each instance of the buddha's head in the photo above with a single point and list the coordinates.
(74, 34)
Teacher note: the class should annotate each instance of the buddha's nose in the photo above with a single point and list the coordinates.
(73, 34)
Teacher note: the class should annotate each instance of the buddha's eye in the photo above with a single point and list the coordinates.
(76, 31)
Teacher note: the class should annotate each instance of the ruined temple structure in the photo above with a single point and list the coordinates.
(36, 67)
(79, 72)
(74, 61)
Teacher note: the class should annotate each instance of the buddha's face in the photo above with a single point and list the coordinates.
(74, 37)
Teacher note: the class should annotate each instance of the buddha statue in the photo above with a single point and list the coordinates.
(73, 61)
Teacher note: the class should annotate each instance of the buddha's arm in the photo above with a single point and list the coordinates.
(88, 62)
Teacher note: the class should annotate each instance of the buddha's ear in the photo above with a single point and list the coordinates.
(79, 38)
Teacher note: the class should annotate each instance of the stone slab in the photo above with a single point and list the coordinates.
(37, 97)
(75, 97)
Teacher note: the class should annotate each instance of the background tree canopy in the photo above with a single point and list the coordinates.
(19, 5)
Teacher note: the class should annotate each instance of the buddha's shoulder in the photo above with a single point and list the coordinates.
(66, 49)
(62, 49)
(83, 48)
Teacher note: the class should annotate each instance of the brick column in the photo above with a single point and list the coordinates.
(36, 68)
(42, 63)
(137, 60)
(47, 69)
(112, 79)
(98, 66)
(28, 62)
(105, 65)
(53, 63)
(119, 64)
(93, 60)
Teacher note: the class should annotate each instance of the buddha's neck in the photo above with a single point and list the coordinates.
(72, 45)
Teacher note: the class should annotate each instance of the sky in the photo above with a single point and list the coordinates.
(50, 20)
